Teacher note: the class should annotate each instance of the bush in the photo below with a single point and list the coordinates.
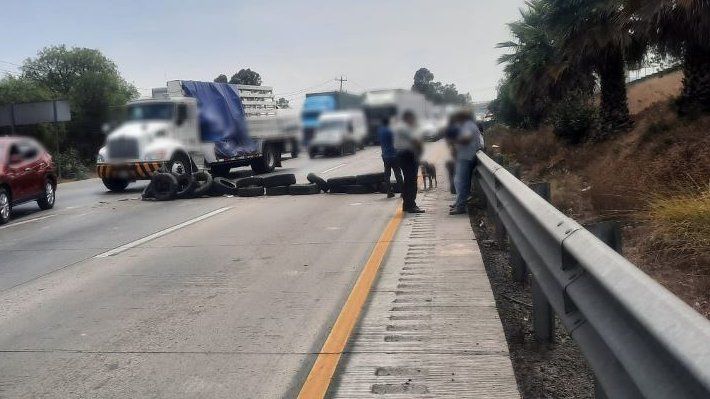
(681, 226)
(71, 165)
(574, 118)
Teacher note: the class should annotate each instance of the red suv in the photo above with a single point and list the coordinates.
(27, 173)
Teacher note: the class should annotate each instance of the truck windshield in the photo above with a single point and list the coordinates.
(145, 112)
(332, 125)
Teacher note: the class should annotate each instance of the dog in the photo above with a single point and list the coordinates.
(429, 174)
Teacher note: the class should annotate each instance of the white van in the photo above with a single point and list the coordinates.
(339, 133)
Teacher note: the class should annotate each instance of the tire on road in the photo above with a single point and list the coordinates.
(186, 185)
(203, 183)
(251, 191)
(148, 193)
(322, 184)
(286, 179)
(165, 186)
(278, 190)
(250, 181)
(342, 181)
(223, 186)
(338, 189)
(115, 185)
(304, 189)
(220, 170)
(360, 189)
(370, 178)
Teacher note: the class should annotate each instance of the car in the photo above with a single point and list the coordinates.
(27, 173)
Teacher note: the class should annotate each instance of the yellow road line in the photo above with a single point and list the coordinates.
(321, 374)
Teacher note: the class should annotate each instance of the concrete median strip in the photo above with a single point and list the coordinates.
(161, 233)
(321, 374)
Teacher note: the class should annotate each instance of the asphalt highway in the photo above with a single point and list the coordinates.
(110, 296)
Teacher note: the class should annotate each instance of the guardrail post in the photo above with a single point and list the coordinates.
(519, 270)
(608, 232)
(543, 315)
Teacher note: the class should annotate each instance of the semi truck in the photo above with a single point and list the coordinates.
(387, 104)
(317, 103)
(189, 125)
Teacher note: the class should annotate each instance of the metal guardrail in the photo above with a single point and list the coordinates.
(640, 340)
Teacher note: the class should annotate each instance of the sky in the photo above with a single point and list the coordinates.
(296, 46)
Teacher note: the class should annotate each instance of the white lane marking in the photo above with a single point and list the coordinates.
(27, 221)
(334, 168)
(159, 234)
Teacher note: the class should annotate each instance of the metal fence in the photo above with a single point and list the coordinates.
(640, 340)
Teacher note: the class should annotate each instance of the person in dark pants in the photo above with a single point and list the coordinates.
(408, 143)
(389, 156)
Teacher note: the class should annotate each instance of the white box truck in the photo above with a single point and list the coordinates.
(192, 124)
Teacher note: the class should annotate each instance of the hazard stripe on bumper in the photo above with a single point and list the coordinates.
(134, 171)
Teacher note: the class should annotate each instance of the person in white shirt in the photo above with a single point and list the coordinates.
(468, 142)
(408, 143)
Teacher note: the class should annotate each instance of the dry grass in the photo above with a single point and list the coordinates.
(681, 227)
(655, 179)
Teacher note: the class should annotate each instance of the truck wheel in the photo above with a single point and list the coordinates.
(312, 153)
(165, 186)
(5, 206)
(295, 149)
(115, 185)
(267, 162)
(203, 183)
(46, 201)
(180, 164)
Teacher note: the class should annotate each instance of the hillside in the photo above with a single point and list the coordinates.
(654, 179)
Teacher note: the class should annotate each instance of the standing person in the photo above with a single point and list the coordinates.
(389, 156)
(408, 143)
(467, 143)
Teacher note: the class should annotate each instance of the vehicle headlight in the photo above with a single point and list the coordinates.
(158, 155)
(100, 159)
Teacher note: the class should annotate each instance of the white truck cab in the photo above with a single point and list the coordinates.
(338, 132)
(164, 132)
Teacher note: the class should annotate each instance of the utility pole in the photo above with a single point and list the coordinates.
(341, 80)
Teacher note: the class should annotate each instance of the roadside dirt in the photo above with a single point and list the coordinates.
(557, 371)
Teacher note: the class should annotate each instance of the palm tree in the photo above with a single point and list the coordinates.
(680, 28)
(597, 33)
(537, 76)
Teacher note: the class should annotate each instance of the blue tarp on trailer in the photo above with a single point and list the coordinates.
(221, 118)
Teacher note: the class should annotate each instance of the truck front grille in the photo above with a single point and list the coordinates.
(123, 148)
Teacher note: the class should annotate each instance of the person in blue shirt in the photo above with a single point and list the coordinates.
(389, 155)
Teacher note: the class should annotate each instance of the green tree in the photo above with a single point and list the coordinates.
(21, 90)
(222, 78)
(437, 92)
(89, 81)
(680, 29)
(598, 34)
(246, 77)
(282, 103)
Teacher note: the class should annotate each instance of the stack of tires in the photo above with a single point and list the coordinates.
(165, 186)
(361, 184)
